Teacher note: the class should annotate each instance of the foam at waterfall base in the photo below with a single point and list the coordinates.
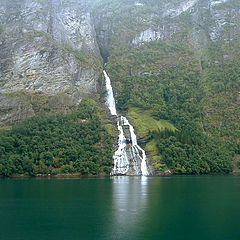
(129, 158)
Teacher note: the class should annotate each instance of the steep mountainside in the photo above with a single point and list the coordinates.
(176, 62)
(49, 57)
(174, 67)
(193, 21)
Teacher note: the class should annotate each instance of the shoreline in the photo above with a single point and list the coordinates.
(78, 176)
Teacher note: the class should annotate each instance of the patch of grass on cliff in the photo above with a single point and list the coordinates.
(2, 28)
(87, 60)
(38, 101)
(80, 56)
(77, 54)
(5, 128)
(144, 122)
(152, 150)
(110, 128)
(34, 34)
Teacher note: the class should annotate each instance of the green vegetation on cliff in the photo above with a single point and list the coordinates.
(175, 73)
(188, 78)
(202, 104)
(52, 144)
(183, 154)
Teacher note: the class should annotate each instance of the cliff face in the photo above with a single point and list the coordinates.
(49, 50)
(176, 61)
(173, 65)
(194, 21)
(49, 56)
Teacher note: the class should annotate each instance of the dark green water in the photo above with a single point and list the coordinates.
(128, 208)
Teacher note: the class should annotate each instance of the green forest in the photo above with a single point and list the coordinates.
(57, 144)
(180, 91)
(200, 103)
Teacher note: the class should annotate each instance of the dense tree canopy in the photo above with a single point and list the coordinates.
(202, 103)
(51, 144)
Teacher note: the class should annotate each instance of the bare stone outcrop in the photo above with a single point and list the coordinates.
(48, 48)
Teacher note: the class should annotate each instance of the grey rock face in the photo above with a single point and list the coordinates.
(13, 110)
(174, 11)
(201, 21)
(47, 47)
(147, 36)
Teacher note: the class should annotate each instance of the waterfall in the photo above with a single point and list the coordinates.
(110, 98)
(129, 158)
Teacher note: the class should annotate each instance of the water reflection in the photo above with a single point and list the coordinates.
(129, 206)
(121, 208)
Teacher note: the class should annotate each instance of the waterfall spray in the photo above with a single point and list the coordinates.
(129, 158)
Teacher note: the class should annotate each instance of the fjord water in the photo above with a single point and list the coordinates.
(127, 208)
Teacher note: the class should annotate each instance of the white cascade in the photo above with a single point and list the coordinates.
(126, 158)
(110, 98)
